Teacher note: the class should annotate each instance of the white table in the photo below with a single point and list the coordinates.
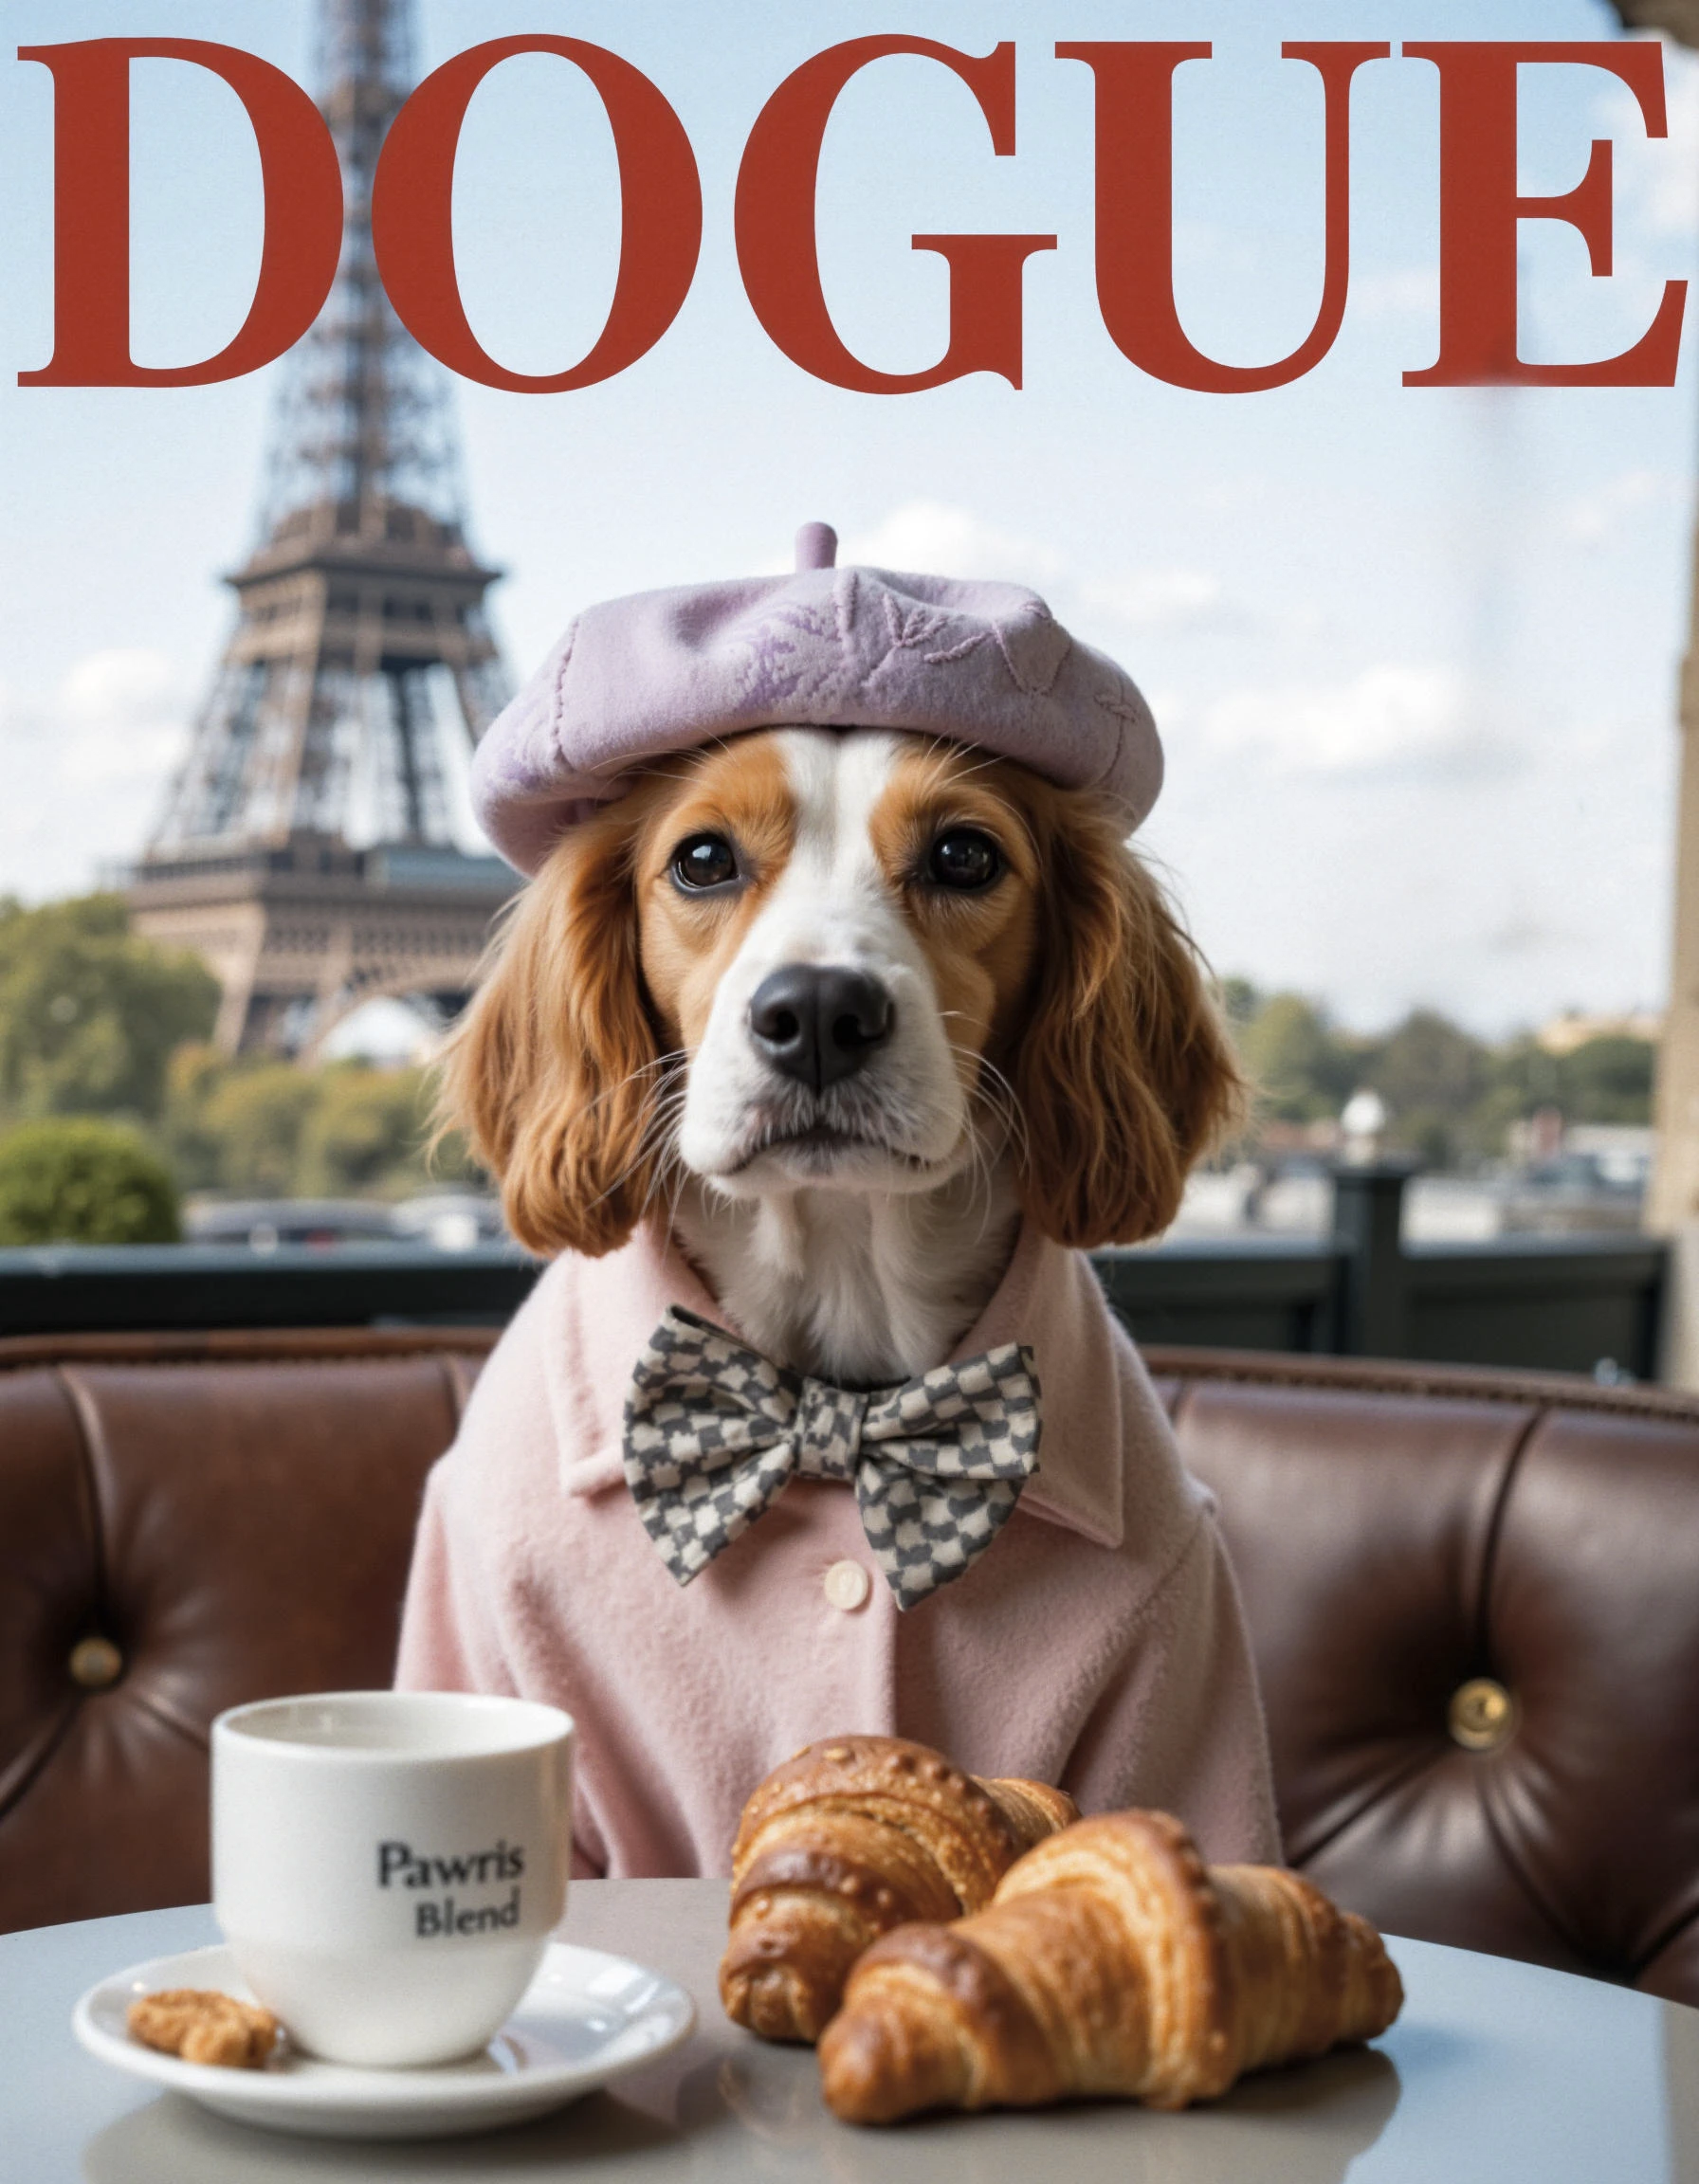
(1496, 2073)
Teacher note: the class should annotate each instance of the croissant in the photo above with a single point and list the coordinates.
(851, 1837)
(1111, 1961)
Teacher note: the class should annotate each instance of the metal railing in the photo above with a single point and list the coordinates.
(149, 1288)
(1572, 1303)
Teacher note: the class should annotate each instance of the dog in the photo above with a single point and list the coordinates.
(836, 1023)
(844, 1007)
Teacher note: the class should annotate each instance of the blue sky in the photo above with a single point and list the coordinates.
(1412, 650)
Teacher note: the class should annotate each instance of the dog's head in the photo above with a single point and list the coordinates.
(856, 961)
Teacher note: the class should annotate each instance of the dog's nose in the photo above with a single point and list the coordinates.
(817, 1023)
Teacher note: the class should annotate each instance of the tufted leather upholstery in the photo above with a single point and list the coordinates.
(1400, 1532)
(234, 1513)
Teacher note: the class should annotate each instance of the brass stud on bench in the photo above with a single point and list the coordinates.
(1481, 1715)
(96, 1662)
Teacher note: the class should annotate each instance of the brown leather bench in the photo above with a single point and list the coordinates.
(1474, 1599)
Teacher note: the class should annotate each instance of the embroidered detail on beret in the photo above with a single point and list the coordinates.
(982, 664)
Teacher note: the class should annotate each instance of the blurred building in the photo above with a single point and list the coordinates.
(1573, 1028)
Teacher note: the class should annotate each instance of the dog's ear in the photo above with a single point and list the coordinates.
(1121, 1068)
(555, 1071)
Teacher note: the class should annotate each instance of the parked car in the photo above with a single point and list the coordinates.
(1574, 1190)
(451, 1220)
(262, 1224)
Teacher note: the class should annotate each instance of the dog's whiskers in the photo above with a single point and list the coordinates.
(667, 1106)
(672, 1062)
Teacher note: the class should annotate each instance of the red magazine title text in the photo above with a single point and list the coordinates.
(661, 215)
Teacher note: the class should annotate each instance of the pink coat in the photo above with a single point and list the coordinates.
(1098, 1642)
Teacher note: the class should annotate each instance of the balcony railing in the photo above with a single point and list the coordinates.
(1570, 1304)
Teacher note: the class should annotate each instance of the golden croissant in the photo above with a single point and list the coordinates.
(1112, 1960)
(851, 1837)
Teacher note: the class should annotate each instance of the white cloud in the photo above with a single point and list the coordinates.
(385, 1031)
(1390, 715)
(930, 537)
(1161, 599)
(1671, 199)
(1592, 517)
(1658, 179)
(118, 716)
(87, 765)
(1399, 289)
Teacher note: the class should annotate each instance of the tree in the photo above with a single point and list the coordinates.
(1301, 1067)
(255, 1115)
(195, 1149)
(89, 1012)
(82, 1181)
(1607, 1079)
(1240, 1002)
(275, 1130)
(1452, 1098)
(1431, 1075)
(365, 1130)
(1429, 1062)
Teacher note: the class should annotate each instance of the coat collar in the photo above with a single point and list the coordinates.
(1049, 1298)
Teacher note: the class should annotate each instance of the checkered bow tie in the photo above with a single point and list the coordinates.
(715, 1433)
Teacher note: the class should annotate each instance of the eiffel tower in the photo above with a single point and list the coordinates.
(306, 851)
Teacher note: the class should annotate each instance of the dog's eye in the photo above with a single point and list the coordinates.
(704, 861)
(963, 858)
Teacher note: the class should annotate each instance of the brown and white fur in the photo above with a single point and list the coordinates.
(1047, 1046)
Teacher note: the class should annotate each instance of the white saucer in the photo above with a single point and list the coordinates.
(584, 2019)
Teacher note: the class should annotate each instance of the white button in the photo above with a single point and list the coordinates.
(848, 1586)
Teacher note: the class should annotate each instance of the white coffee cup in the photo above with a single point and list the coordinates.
(386, 1866)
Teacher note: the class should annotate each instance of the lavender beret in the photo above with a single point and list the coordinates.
(985, 665)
